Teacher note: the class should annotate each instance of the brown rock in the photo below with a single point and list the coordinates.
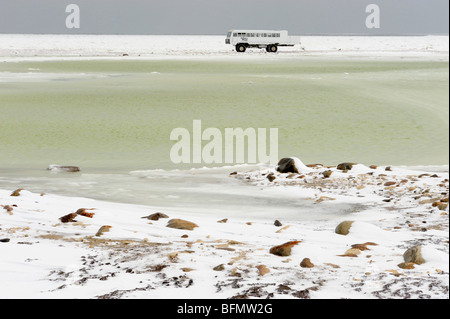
(68, 218)
(389, 183)
(345, 166)
(327, 174)
(181, 224)
(83, 212)
(219, 267)
(352, 252)
(363, 247)
(262, 270)
(271, 177)
(102, 230)
(344, 228)
(8, 209)
(156, 216)
(285, 249)
(16, 192)
(306, 263)
(406, 265)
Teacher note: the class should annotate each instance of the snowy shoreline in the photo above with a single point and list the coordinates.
(26, 47)
(222, 257)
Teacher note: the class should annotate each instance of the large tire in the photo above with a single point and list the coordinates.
(241, 48)
(273, 48)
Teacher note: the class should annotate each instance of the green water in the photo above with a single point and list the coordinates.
(119, 114)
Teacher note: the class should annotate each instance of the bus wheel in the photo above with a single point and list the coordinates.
(241, 48)
(273, 48)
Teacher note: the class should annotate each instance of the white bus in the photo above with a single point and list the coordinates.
(263, 39)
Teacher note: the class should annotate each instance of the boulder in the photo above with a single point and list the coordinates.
(306, 263)
(345, 166)
(291, 165)
(327, 174)
(285, 249)
(181, 224)
(344, 228)
(414, 255)
(69, 218)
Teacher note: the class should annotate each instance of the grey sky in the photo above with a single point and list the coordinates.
(301, 17)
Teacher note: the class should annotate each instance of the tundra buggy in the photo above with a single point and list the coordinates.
(263, 39)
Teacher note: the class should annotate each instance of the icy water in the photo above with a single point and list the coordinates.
(113, 117)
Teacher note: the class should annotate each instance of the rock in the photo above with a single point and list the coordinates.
(285, 249)
(345, 166)
(414, 255)
(102, 230)
(181, 224)
(344, 228)
(352, 252)
(389, 183)
(278, 223)
(219, 267)
(271, 177)
(327, 174)
(324, 198)
(8, 209)
(442, 206)
(156, 216)
(373, 166)
(363, 247)
(83, 212)
(262, 270)
(406, 265)
(388, 169)
(223, 221)
(287, 165)
(291, 165)
(69, 218)
(63, 168)
(16, 192)
(4, 240)
(306, 263)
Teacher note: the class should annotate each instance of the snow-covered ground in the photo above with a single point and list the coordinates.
(20, 46)
(230, 256)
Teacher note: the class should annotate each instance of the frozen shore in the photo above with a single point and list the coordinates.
(232, 256)
(18, 47)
